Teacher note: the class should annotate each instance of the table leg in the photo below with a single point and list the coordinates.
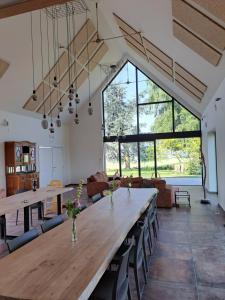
(59, 210)
(26, 219)
(40, 217)
(3, 227)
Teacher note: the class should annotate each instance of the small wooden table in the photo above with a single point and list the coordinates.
(24, 200)
(53, 267)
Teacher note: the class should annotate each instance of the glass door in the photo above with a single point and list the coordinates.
(147, 159)
(129, 159)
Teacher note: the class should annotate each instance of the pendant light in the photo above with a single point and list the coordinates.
(51, 128)
(58, 122)
(71, 89)
(76, 120)
(34, 95)
(55, 82)
(77, 99)
(44, 122)
(90, 109)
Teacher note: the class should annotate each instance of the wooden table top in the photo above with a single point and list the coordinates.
(14, 202)
(54, 267)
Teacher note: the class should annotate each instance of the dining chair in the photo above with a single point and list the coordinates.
(153, 216)
(96, 197)
(52, 223)
(114, 285)
(137, 258)
(21, 240)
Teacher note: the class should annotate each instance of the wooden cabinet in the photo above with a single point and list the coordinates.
(20, 166)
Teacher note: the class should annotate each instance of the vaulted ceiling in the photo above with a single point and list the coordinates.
(173, 47)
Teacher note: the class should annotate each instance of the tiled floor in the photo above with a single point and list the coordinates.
(189, 255)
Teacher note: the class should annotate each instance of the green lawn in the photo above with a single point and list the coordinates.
(148, 174)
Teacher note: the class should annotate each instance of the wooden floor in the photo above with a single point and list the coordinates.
(189, 256)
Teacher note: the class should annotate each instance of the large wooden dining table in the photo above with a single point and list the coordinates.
(54, 267)
(24, 200)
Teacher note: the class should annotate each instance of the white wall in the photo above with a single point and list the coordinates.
(86, 143)
(23, 128)
(214, 120)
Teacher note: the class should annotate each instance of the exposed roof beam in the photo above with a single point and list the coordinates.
(26, 6)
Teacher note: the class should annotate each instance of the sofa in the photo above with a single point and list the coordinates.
(165, 195)
(99, 182)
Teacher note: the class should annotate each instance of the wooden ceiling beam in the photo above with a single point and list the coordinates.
(27, 6)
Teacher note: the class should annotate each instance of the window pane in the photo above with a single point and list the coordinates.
(126, 75)
(147, 162)
(184, 120)
(111, 158)
(129, 159)
(178, 158)
(155, 118)
(120, 109)
(149, 92)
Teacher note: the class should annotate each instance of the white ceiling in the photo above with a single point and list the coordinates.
(152, 17)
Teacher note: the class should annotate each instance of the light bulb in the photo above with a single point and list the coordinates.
(90, 109)
(51, 129)
(34, 96)
(44, 122)
(60, 108)
(71, 96)
(58, 122)
(70, 108)
(76, 120)
(72, 89)
(77, 99)
(55, 82)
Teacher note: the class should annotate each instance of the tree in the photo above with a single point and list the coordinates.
(120, 112)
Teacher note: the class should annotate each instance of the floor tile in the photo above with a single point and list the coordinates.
(160, 291)
(172, 270)
(209, 253)
(174, 251)
(210, 273)
(206, 293)
(181, 237)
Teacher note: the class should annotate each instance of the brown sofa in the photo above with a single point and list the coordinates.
(99, 182)
(165, 195)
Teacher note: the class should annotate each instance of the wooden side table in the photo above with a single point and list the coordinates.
(182, 195)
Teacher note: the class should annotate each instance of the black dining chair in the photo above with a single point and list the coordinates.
(137, 257)
(52, 223)
(114, 285)
(96, 197)
(21, 240)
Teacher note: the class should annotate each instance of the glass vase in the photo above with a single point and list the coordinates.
(74, 230)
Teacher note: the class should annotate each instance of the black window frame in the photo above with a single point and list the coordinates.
(148, 137)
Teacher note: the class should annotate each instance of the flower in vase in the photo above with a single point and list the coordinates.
(72, 209)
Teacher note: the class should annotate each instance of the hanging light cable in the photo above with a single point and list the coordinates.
(90, 109)
(71, 94)
(77, 99)
(55, 83)
(60, 107)
(51, 129)
(44, 122)
(34, 95)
